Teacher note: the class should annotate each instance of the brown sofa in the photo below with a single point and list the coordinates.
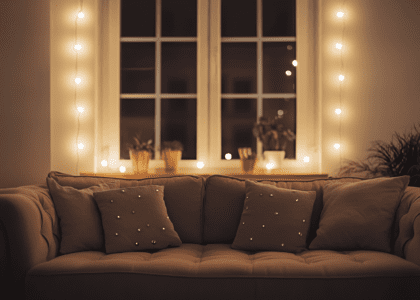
(205, 213)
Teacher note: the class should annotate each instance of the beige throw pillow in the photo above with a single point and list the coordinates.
(359, 215)
(80, 220)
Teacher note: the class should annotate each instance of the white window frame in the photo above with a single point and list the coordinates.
(209, 112)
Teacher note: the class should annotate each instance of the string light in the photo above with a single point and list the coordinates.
(228, 156)
(288, 73)
(200, 164)
(78, 80)
(339, 46)
(294, 62)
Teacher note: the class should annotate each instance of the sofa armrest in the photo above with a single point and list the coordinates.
(412, 246)
(407, 245)
(24, 233)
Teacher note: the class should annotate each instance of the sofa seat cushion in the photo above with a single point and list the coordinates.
(216, 271)
(219, 260)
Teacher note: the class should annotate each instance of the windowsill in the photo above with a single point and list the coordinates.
(273, 175)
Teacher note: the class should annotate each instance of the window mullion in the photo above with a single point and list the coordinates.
(158, 55)
(215, 120)
(259, 71)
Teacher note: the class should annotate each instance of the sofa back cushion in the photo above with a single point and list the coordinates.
(183, 198)
(223, 205)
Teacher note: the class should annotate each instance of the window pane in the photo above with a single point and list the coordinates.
(179, 68)
(279, 18)
(138, 18)
(179, 123)
(239, 18)
(137, 67)
(279, 74)
(286, 109)
(239, 68)
(137, 117)
(179, 18)
(238, 118)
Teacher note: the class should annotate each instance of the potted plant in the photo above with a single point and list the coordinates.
(140, 154)
(171, 154)
(389, 159)
(274, 136)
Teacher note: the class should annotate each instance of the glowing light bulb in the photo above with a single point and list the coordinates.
(294, 62)
(269, 166)
(338, 46)
(78, 47)
(288, 73)
(122, 169)
(104, 163)
(81, 15)
(340, 14)
(200, 164)
(80, 146)
(80, 109)
(78, 80)
(306, 159)
(336, 146)
(228, 156)
(338, 111)
(341, 77)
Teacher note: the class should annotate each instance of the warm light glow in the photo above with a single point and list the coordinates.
(338, 46)
(81, 15)
(80, 109)
(341, 77)
(228, 156)
(288, 73)
(306, 159)
(269, 166)
(294, 62)
(200, 165)
(80, 146)
(338, 111)
(122, 169)
(280, 112)
(336, 146)
(340, 14)
(104, 163)
(78, 80)
(78, 47)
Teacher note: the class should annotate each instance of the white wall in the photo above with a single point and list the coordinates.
(24, 92)
(381, 62)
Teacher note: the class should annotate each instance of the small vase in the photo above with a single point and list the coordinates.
(274, 157)
(140, 161)
(171, 158)
(247, 160)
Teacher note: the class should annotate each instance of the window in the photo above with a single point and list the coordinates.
(203, 72)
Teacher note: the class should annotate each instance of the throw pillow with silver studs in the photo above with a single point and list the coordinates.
(274, 219)
(136, 219)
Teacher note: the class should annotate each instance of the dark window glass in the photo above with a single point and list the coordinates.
(137, 117)
(238, 118)
(179, 123)
(279, 74)
(239, 18)
(179, 18)
(286, 109)
(138, 18)
(279, 18)
(239, 68)
(137, 67)
(179, 67)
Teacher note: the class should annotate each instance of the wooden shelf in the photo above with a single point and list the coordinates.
(242, 176)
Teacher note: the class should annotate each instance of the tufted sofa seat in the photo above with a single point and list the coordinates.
(189, 270)
(205, 213)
